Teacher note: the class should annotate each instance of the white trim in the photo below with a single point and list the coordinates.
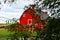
(24, 15)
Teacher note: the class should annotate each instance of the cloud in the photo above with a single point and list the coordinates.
(13, 10)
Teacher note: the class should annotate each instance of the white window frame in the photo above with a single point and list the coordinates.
(29, 20)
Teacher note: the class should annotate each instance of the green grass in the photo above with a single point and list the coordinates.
(4, 33)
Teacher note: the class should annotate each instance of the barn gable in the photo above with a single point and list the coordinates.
(26, 16)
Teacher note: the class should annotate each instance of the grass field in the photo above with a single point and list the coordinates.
(4, 33)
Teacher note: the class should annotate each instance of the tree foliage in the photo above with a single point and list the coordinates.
(8, 1)
(53, 6)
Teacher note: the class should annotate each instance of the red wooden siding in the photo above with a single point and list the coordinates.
(27, 18)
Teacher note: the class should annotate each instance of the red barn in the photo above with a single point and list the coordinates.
(28, 17)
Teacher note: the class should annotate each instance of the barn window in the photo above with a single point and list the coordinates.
(29, 21)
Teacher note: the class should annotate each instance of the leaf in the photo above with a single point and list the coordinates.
(52, 14)
(4, 1)
(12, 0)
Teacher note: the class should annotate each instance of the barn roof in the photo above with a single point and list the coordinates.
(30, 10)
(26, 11)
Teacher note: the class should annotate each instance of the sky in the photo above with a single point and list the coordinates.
(12, 10)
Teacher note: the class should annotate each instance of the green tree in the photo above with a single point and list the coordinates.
(53, 6)
(8, 1)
